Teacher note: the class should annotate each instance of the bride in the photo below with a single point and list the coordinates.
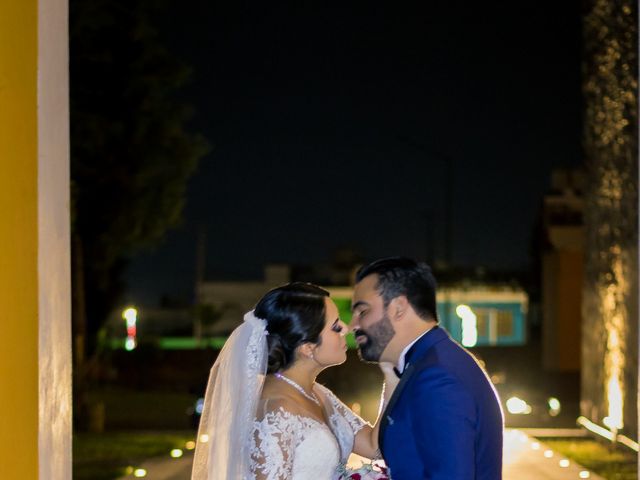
(264, 416)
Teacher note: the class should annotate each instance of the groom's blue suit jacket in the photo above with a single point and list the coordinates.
(444, 420)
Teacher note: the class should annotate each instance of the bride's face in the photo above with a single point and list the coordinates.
(333, 347)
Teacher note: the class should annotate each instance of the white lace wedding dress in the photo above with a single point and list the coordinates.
(289, 445)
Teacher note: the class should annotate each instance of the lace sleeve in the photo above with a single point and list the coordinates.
(355, 421)
(273, 445)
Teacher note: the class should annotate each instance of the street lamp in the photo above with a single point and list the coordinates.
(130, 316)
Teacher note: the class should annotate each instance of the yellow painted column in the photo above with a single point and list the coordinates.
(18, 240)
(35, 351)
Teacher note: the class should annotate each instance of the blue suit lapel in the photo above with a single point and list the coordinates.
(420, 348)
(416, 352)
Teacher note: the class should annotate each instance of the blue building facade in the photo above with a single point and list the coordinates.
(478, 316)
(500, 315)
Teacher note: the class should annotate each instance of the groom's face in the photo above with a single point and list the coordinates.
(370, 323)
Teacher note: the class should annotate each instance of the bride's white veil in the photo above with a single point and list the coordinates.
(233, 391)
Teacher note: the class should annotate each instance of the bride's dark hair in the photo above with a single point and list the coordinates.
(295, 314)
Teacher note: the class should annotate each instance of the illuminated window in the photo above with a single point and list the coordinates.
(505, 323)
(483, 321)
(494, 324)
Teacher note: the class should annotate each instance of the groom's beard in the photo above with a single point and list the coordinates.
(378, 337)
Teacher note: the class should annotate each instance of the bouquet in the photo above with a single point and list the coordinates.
(367, 471)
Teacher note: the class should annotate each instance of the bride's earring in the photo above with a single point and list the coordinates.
(307, 352)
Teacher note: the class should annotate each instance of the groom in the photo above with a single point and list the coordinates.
(444, 420)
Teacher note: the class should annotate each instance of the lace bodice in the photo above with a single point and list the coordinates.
(292, 446)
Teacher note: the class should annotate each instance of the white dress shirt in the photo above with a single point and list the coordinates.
(401, 366)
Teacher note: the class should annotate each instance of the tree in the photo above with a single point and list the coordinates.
(131, 153)
(609, 297)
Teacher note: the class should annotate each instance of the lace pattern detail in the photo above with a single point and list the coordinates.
(288, 446)
(255, 357)
(233, 391)
(344, 423)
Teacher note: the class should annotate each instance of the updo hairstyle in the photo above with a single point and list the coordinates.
(295, 314)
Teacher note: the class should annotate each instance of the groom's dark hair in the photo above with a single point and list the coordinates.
(403, 276)
(295, 314)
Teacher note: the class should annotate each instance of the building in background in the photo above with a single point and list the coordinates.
(562, 270)
(220, 307)
(496, 312)
(477, 310)
(224, 303)
(476, 313)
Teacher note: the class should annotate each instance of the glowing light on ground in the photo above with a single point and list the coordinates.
(139, 473)
(176, 453)
(190, 445)
(554, 406)
(517, 406)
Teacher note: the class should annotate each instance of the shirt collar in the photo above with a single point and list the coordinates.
(401, 360)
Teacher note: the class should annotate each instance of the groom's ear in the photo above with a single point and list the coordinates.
(398, 308)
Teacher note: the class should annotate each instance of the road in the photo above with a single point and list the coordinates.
(524, 459)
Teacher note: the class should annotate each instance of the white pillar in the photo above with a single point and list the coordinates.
(54, 278)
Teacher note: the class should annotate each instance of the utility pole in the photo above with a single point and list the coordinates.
(448, 209)
(447, 163)
(430, 240)
(201, 241)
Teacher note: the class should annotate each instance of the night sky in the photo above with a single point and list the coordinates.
(331, 126)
